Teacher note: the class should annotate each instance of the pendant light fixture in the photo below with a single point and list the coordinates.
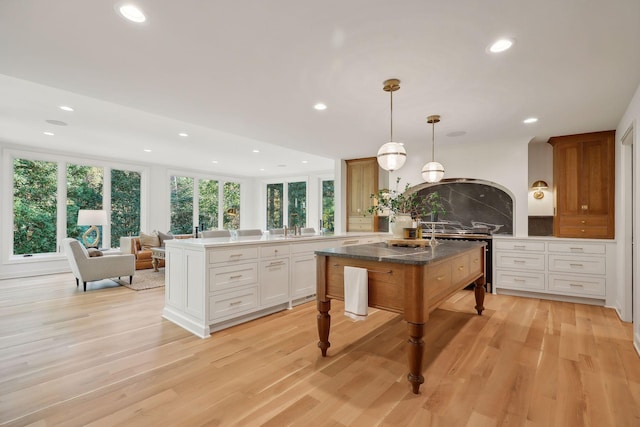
(392, 155)
(433, 171)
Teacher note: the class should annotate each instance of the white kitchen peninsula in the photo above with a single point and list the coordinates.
(212, 284)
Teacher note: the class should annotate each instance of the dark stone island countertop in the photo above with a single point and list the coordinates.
(402, 255)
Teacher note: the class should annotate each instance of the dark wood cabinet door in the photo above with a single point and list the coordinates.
(584, 174)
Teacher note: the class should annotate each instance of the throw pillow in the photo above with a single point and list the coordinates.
(93, 252)
(148, 241)
(164, 236)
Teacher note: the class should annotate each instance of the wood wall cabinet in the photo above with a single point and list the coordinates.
(584, 175)
(362, 181)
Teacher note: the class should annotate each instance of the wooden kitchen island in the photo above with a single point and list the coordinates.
(409, 281)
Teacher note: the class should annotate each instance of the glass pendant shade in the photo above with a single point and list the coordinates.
(391, 156)
(432, 172)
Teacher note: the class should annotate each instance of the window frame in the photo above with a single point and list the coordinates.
(8, 157)
(196, 194)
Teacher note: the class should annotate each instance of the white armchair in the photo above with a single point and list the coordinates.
(89, 269)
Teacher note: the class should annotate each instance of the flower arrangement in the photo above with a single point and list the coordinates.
(396, 202)
(433, 206)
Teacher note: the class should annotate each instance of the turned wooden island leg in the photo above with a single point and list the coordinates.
(324, 324)
(415, 353)
(479, 290)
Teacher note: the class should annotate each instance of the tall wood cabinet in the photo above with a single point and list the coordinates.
(584, 175)
(362, 181)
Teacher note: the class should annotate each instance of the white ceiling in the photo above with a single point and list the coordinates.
(239, 75)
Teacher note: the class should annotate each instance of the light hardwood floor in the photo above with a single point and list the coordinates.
(106, 357)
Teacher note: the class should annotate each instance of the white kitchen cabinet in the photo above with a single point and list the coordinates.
(211, 285)
(557, 267)
(303, 276)
(274, 281)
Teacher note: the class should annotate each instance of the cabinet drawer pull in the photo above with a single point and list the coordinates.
(518, 280)
(583, 222)
(519, 261)
(576, 285)
(439, 278)
(231, 304)
(577, 249)
(274, 264)
(461, 268)
(576, 265)
(234, 255)
(475, 261)
(519, 247)
(237, 276)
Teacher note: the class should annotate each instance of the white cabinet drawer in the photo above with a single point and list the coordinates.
(232, 276)
(520, 280)
(233, 254)
(519, 245)
(520, 261)
(299, 248)
(274, 251)
(578, 248)
(360, 227)
(578, 285)
(577, 264)
(349, 242)
(231, 303)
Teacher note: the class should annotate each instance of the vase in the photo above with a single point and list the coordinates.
(400, 221)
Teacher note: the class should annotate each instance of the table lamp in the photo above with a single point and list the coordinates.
(93, 218)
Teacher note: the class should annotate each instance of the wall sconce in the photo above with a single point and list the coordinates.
(539, 186)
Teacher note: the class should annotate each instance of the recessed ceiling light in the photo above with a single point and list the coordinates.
(48, 133)
(132, 13)
(530, 120)
(56, 122)
(183, 134)
(500, 45)
(146, 150)
(214, 162)
(256, 151)
(305, 161)
(65, 108)
(282, 166)
(320, 106)
(261, 169)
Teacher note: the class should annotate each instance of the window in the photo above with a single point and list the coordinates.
(48, 192)
(231, 198)
(297, 195)
(125, 205)
(84, 191)
(327, 205)
(208, 204)
(181, 204)
(34, 206)
(275, 205)
(185, 206)
(286, 208)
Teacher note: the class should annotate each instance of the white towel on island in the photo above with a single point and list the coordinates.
(356, 293)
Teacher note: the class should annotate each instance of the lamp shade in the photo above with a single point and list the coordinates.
(540, 185)
(92, 217)
(432, 172)
(391, 156)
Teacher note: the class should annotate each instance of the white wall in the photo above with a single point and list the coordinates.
(502, 162)
(624, 221)
(541, 167)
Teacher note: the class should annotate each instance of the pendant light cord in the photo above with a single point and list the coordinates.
(391, 137)
(433, 141)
